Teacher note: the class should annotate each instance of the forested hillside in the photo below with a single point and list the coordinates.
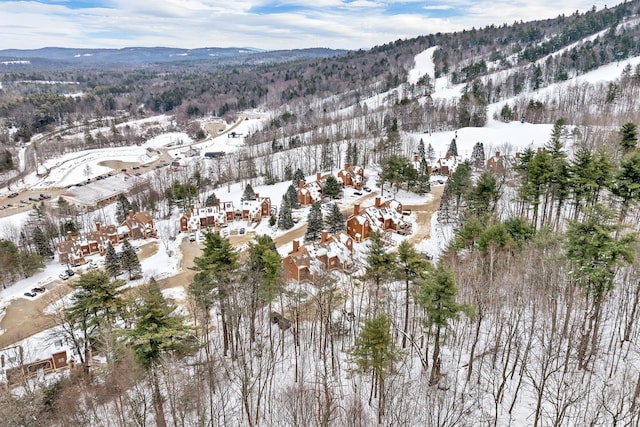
(527, 315)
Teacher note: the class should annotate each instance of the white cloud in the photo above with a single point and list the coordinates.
(199, 23)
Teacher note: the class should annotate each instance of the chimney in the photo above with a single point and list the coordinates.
(296, 246)
(318, 176)
(97, 226)
(356, 209)
(415, 157)
(346, 166)
(69, 236)
(301, 183)
(130, 214)
(497, 154)
(377, 205)
(257, 196)
(325, 236)
(517, 154)
(192, 207)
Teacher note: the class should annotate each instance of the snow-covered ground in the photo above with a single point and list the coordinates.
(507, 138)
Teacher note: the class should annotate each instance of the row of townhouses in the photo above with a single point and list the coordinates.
(74, 250)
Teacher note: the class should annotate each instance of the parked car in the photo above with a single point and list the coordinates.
(367, 189)
(12, 195)
(357, 193)
(38, 290)
(29, 294)
(70, 272)
(192, 237)
(92, 266)
(63, 276)
(242, 230)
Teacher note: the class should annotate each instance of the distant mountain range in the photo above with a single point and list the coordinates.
(56, 56)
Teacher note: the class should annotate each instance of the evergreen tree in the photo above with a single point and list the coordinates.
(94, 307)
(484, 197)
(248, 194)
(375, 351)
(263, 270)
(215, 272)
(460, 183)
(421, 150)
(423, 184)
(431, 153)
(595, 251)
(331, 187)
(315, 223)
(285, 218)
(298, 176)
(211, 200)
(292, 197)
(336, 221)
(112, 261)
(123, 206)
(478, 156)
(626, 184)
(437, 296)
(129, 261)
(157, 332)
(629, 137)
(43, 246)
(378, 263)
(453, 148)
(397, 171)
(411, 268)
(558, 178)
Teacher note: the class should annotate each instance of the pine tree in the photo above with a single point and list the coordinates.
(378, 263)
(94, 307)
(248, 194)
(421, 150)
(336, 221)
(157, 332)
(484, 197)
(453, 148)
(437, 296)
(298, 176)
(629, 137)
(411, 269)
(285, 218)
(375, 351)
(626, 184)
(478, 156)
(263, 269)
(211, 200)
(129, 260)
(595, 251)
(123, 206)
(331, 187)
(292, 197)
(112, 261)
(431, 153)
(314, 223)
(216, 270)
(43, 246)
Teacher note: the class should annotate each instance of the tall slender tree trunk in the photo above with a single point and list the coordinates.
(406, 315)
(158, 404)
(435, 365)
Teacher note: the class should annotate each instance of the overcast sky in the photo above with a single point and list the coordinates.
(264, 24)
